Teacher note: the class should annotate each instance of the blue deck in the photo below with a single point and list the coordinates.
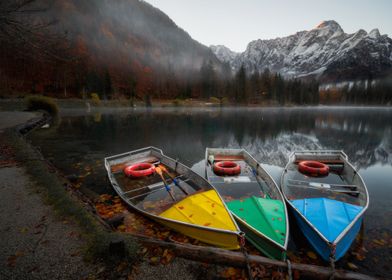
(330, 218)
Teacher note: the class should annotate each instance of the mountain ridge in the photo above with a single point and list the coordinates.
(325, 52)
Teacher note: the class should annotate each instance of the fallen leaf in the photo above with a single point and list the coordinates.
(121, 267)
(380, 242)
(230, 272)
(24, 230)
(121, 227)
(75, 254)
(296, 275)
(154, 260)
(352, 266)
(11, 260)
(311, 255)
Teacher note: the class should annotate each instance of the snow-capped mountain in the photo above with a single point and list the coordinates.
(325, 52)
(224, 53)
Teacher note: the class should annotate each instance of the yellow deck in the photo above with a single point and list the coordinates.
(204, 209)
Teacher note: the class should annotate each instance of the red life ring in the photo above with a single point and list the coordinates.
(314, 168)
(227, 168)
(139, 170)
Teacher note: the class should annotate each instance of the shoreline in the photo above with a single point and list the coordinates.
(18, 104)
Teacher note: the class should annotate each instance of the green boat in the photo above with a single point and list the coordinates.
(253, 198)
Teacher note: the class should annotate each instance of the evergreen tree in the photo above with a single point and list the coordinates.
(240, 84)
(208, 79)
(94, 83)
(107, 86)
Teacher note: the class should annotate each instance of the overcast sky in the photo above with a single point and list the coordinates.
(234, 23)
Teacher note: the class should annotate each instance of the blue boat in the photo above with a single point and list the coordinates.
(328, 198)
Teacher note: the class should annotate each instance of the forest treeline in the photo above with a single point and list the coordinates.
(370, 92)
(79, 48)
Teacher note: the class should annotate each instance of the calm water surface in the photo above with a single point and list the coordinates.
(78, 142)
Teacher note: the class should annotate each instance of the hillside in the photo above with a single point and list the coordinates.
(128, 42)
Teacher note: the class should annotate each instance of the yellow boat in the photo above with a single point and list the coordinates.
(172, 194)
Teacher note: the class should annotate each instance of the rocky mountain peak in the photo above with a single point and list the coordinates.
(375, 33)
(331, 25)
(223, 53)
(325, 52)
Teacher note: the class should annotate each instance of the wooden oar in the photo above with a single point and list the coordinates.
(167, 187)
(163, 168)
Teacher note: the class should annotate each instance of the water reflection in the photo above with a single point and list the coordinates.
(270, 135)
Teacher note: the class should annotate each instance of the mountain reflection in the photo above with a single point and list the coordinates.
(270, 135)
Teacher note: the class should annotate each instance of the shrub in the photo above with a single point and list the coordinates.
(48, 104)
(177, 102)
(225, 100)
(214, 99)
(95, 99)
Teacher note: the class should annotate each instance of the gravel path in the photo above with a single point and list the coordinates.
(10, 119)
(34, 243)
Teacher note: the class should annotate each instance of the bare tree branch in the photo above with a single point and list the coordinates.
(25, 28)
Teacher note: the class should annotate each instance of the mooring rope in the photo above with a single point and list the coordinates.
(289, 271)
(243, 249)
(332, 264)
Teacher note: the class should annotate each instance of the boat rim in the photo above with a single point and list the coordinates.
(115, 185)
(345, 157)
(285, 245)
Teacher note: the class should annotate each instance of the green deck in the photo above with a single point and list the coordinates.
(265, 215)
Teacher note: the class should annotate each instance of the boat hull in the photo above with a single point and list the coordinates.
(328, 209)
(253, 201)
(260, 242)
(225, 240)
(216, 227)
(323, 248)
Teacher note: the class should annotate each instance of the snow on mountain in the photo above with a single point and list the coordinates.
(223, 53)
(325, 51)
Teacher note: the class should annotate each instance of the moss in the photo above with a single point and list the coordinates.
(51, 187)
(36, 102)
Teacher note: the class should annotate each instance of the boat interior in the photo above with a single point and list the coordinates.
(332, 202)
(172, 192)
(149, 193)
(251, 195)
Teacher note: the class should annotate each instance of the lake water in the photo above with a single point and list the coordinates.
(78, 142)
